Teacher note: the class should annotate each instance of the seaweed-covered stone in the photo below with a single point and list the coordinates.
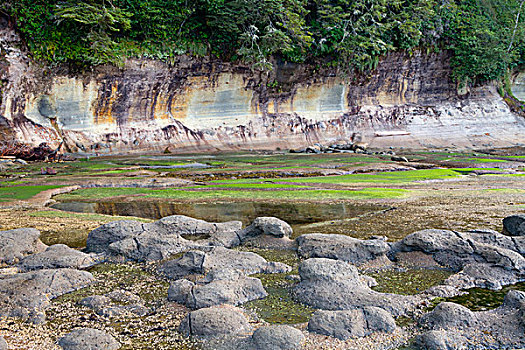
(335, 285)
(278, 337)
(26, 295)
(18, 243)
(515, 225)
(88, 339)
(267, 226)
(56, 257)
(352, 250)
(344, 324)
(215, 321)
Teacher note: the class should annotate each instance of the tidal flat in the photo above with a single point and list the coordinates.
(360, 196)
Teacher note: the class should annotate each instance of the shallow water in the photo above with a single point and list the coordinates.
(296, 214)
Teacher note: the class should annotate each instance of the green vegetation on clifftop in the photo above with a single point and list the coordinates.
(486, 37)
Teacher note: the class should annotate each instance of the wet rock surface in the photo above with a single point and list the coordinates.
(215, 322)
(453, 326)
(55, 257)
(344, 324)
(88, 339)
(26, 295)
(3, 344)
(335, 285)
(341, 247)
(18, 243)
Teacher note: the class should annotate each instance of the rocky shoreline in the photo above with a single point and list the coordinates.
(208, 281)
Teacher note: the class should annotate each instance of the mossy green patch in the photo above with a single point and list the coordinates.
(408, 282)
(393, 177)
(176, 194)
(128, 276)
(478, 299)
(279, 307)
(23, 192)
(486, 160)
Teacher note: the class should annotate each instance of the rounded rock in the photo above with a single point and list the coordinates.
(277, 338)
(215, 321)
(88, 339)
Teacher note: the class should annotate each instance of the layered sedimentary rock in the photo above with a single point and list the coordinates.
(204, 104)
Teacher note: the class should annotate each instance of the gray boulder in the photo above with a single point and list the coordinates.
(26, 295)
(215, 321)
(228, 287)
(88, 339)
(224, 232)
(482, 258)
(449, 315)
(56, 257)
(277, 338)
(267, 226)
(335, 285)
(3, 344)
(18, 243)
(201, 262)
(99, 239)
(161, 239)
(341, 247)
(344, 324)
(500, 328)
(441, 340)
(515, 225)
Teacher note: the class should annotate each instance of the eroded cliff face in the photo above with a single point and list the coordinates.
(201, 105)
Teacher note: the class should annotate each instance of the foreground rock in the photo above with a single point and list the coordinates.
(341, 247)
(56, 257)
(88, 339)
(514, 225)
(26, 295)
(335, 285)
(277, 338)
(267, 226)
(485, 259)
(351, 323)
(452, 326)
(215, 321)
(220, 258)
(161, 239)
(18, 243)
(219, 287)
